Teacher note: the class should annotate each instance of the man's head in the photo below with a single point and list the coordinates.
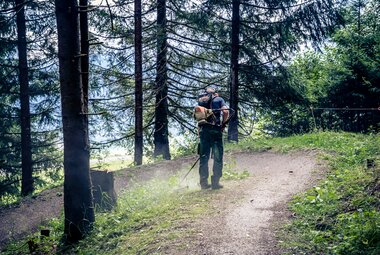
(211, 89)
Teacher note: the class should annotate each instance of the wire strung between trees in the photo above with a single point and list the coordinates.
(346, 109)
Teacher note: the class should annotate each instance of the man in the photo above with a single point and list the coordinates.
(211, 137)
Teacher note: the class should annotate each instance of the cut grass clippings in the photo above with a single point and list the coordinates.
(147, 218)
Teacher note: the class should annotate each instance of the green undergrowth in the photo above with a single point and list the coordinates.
(147, 218)
(341, 214)
(230, 171)
(43, 180)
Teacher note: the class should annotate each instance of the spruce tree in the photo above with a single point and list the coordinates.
(78, 204)
(138, 85)
(258, 37)
(26, 150)
(161, 131)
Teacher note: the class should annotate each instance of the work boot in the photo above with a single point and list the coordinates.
(204, 183)
(215, 183)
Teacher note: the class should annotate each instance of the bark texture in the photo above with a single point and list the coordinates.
(138, 86)
(161, 133)
(26, 148)
(85, 49)
(234, 80)
(78, 205)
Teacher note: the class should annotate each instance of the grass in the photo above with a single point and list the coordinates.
(147, 219)
(43, 180)
(112, 165)
(340, 215)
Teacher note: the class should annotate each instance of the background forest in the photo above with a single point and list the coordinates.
(286, 67)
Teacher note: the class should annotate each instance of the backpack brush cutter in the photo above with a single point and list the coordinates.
(232, 112)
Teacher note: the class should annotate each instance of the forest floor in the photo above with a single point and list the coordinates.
(249, 212)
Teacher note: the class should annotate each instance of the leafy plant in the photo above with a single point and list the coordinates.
(341, 214)
(231, 173)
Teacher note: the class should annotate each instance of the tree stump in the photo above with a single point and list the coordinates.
(103, 190)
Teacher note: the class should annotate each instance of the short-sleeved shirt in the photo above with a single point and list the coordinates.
(216, 104)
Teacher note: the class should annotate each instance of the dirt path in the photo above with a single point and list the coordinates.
(248, 211)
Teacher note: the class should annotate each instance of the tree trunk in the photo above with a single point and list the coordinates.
(161, 140)
(234, 80)
(78, 205)
(26, 148)
(138, 86)
(85, 49)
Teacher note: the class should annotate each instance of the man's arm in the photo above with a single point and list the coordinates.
(225, 113)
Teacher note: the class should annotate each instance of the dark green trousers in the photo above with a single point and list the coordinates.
(211, 137)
